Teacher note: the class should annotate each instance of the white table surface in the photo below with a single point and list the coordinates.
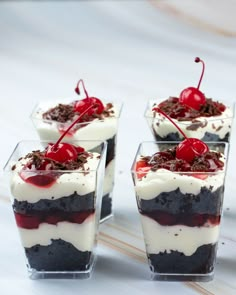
(127, 50)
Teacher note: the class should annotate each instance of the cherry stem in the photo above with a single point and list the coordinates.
(68, 129)
(77, 87)
(197, 60)
(169, 118)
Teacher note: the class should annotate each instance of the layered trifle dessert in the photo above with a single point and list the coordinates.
(180, 205)
(56, 197)
(179, 189)
(197, 115)
(100, 123)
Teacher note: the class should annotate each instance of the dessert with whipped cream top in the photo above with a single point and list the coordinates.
(100, 123)
(179, 192)
(197, 115)
(56, 194)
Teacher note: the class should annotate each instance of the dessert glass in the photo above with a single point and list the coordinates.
(105, 130)
(57, 221)
(210, 129)
(180, 215)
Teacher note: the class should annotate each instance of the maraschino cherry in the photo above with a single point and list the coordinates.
(192, 96)
(189, 148)
(83, 104)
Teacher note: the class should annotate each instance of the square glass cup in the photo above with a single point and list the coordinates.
(57, 212)
(210, 129)
(180, 214)
(98, 129)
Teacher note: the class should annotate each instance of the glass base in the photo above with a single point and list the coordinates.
(37, 275)
(182, 277)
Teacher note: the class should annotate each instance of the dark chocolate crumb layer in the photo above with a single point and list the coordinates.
(106, 209)
(209, 137)
(201, 262)
(72, 203)
(175, 202)
(111, 149)
(58, 256)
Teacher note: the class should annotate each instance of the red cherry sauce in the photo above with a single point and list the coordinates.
(35, 219)
(190, 219)
(38, 179)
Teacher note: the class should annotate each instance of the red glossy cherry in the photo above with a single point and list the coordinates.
(192, 96)
(63, 152)
(189, 148)
(81, 105)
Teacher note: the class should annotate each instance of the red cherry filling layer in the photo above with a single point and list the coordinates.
(190, 219)
(33, 221)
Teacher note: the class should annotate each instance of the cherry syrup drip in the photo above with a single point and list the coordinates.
(33, 221)
(59, 152)
(189, 148)
(188, 219)
(192, 96)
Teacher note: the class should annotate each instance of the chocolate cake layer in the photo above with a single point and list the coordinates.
(106, 209)
(175, 202)
(58, 256)
(201, 262)
(72, 203)
(174, 136)
(111, 148)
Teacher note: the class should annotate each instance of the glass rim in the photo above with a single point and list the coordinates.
(7, 166)
(208, 119)
(226, 145)
(37, 106)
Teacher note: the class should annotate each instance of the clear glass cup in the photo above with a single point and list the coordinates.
(105, 130)
(180, 214)
(57, 212)
(210, 129)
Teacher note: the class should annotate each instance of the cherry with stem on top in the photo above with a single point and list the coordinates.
(192, 96)
(62, 151)
(83, 104)
(189, 148)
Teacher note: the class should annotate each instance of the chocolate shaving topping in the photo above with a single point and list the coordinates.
(196, 124)
(65, 112)
(38, 161)
(181, 112)
(208, 162)
(218, 128)
(61, 113)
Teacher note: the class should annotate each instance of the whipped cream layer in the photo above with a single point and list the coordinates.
(181, 238)
(218, 125)
(81, 236)
(95, 130)
(162, 180)
(66, 184)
